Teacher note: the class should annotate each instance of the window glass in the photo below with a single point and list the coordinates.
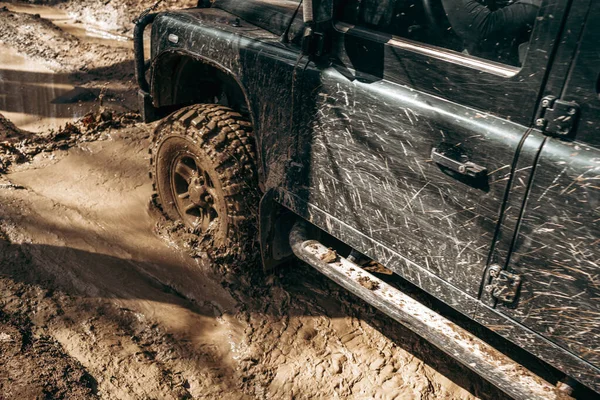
(497, 30)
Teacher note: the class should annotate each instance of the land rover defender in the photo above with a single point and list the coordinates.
(466, 162)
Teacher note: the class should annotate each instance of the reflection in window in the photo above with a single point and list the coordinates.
(497, 30)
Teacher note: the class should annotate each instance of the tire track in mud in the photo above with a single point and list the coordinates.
(313, 339)
(125, 354)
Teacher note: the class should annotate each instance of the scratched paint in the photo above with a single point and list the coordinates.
(557, 248)
(557, 251)
(371, 167)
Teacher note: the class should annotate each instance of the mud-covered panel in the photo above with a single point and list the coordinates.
(557, 252)
(262, 65)
(470, 306)
(272, 15)
(369, 163)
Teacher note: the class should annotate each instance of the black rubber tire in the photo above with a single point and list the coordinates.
(220, 141)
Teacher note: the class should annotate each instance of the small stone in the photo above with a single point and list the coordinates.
(5, 337)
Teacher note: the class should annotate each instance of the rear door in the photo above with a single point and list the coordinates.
(557, 250)
(412, 143)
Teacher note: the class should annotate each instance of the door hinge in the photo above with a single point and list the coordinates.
(502, 285)
(557, 117)
(313, 42)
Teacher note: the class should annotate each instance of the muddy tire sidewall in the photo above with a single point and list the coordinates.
(170, 149)
(220, 142)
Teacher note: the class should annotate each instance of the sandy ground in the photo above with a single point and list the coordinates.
(94, 303)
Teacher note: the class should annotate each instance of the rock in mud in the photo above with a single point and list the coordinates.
(9, 132)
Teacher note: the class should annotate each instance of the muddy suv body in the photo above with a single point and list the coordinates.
(475, 179)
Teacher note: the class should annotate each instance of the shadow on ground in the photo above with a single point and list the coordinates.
(298, 293)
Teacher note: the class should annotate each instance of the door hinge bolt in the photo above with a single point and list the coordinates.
(557, 117)
(502, 285)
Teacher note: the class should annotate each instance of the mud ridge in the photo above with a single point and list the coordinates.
(20, 147)
(42, 40)
(32, 363)
(76, 342)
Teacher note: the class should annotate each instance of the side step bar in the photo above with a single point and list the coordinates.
(475, 354)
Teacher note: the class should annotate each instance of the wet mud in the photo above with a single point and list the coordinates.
(18, 146)
(34, 364)
(100, 298)
(52, 71)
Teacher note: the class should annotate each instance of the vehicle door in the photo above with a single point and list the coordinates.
(410, 141)
(557, 251)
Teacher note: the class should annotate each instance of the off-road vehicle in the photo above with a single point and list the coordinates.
(467, 165)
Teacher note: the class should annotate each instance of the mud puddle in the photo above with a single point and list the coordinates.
(92, 33)
(36, 99)
(38, 95)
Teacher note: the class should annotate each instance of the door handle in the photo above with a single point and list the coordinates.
(464, 168)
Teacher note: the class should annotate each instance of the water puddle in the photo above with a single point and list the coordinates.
(34, 97)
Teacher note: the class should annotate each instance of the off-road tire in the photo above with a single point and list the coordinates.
(221, 142)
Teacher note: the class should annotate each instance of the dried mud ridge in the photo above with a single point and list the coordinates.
(18, 147)
(45, 42)
(118, 15)
(34, 364)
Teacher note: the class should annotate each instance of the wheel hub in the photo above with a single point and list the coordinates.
(193, 193)
(199, 193)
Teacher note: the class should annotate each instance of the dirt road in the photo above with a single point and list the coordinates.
(96, 301)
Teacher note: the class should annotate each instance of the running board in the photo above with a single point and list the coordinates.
(468, 349)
